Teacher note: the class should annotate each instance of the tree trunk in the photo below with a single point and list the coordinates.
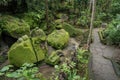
(46, 9)
(91, 23)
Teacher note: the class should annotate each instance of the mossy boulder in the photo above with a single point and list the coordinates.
(58, 38)
(25, 51)
(68, 27)
(53, 58)
(38, 34)
(38, 40)
(71, 29)
(14, 27)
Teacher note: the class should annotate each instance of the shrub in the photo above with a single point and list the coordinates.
(112, 33)
(25, 72)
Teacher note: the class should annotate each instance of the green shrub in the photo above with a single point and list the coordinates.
(112, 33)
(83, 57)
(68, 70)
(97, 23)
(33, 18)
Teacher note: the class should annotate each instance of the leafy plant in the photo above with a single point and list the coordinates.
(82, 56)
(26, 72)
(82, 65)
(66, 72)
(112, 33)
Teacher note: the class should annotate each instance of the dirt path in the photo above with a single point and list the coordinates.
(102, 68)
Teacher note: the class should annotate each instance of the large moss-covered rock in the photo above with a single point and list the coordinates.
(58, 38)
(68, 27)
(38, 40)
(25, 51)
(14, 27)
(71, 29)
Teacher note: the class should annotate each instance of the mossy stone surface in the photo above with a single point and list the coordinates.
(71, 29)
(14, 27)
(68, 27)
(21, 52)
(25, 51)
(38, 34)
(53, 58)
(58, 39)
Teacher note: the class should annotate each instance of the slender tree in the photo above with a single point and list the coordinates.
(46, 9)
(91, 23)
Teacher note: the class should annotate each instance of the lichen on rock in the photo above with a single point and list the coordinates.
(58, 39)
(14, 27)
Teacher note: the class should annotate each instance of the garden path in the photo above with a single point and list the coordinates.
(102, 68)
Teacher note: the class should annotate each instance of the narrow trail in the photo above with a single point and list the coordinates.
(102, 68)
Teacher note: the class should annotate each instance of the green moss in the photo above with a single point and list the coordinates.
(38, 41)
(58, 21)
(58, 38)
(59, 15)
(101, 35)
(39, 50)
(14, 27)
(38, 34)
(59, 27)
(71, 30)
(23, 52)
(53, 58)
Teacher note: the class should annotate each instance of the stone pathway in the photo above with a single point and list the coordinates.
(102, 68)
